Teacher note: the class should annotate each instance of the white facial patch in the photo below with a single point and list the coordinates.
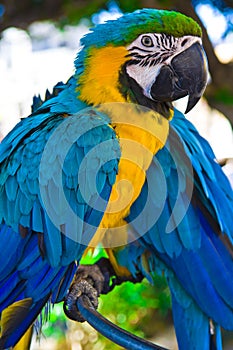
(144, 76)
(150, 51)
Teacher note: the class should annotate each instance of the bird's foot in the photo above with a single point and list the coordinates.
(88, 281)
(91, 281)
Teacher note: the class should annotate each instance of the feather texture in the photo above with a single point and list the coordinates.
(34, 205)
(195, 255)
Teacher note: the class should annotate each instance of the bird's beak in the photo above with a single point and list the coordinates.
(185, 75)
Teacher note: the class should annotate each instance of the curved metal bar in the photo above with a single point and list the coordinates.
(109, 330)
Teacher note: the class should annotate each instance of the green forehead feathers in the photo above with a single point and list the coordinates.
(126, 29)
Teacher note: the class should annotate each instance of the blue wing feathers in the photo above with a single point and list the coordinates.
(8, 285)
(52, 240)
(196, 256)
(170, 241)
(191, 324)
(15, 295)
(37, 217)
(30, 254)
(23, 178)
(58, 294)
(219, 273)
(11, 188)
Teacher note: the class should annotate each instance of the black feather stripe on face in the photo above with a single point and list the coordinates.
(164, 46)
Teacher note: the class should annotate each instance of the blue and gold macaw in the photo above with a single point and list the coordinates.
(108, 160)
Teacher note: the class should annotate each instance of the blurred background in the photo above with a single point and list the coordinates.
(39, 40)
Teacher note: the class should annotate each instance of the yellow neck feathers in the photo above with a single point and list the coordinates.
(99, 82)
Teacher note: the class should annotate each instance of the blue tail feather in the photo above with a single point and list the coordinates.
(191, 325)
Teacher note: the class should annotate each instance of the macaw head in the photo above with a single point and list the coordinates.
(149, 57)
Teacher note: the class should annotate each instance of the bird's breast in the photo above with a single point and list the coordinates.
(141, 135)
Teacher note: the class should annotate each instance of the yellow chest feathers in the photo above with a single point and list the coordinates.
(141, 134)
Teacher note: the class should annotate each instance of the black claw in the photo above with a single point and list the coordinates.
(77, 289)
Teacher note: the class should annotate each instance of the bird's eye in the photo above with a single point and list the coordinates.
(184, 42)
(147, 41)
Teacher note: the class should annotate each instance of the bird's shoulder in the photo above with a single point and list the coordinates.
(50, 146)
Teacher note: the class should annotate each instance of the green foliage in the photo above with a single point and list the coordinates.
(57, 324)
(133, 306)
(129, 5)
(76, 10)
(93, 255)
(224, 95)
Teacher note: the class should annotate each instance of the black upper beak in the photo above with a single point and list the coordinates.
(185, 75)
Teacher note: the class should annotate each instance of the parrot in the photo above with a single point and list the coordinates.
(107, 160)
